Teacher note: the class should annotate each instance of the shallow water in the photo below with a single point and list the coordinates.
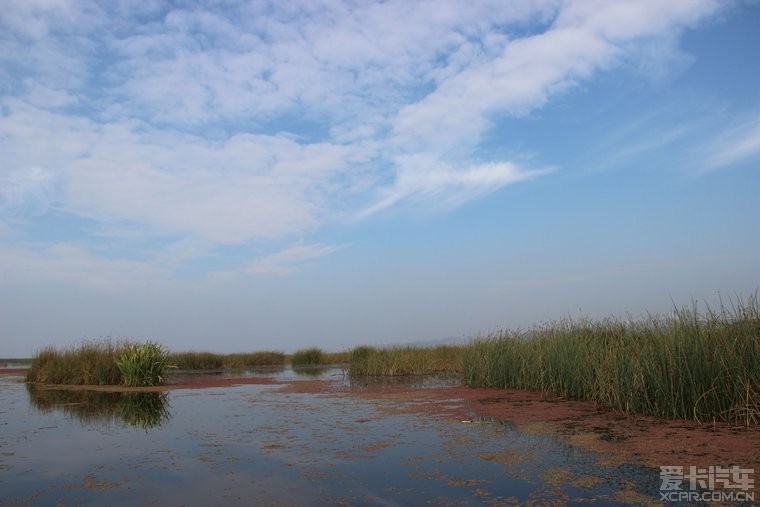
(253, 445)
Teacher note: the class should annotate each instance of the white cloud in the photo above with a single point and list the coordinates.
(267, 121)
(287, 260)
(246, 188)
(25, 187)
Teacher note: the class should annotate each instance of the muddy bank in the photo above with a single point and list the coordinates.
(620, 438)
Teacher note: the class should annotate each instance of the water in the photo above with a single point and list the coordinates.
(256, 445)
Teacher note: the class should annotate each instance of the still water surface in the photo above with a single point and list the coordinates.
(253, 445)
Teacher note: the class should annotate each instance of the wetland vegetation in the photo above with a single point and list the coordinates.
(689, 365)
(393, 361)
(102, 362)
(192, 360)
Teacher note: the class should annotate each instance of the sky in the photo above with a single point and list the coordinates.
(249, 175)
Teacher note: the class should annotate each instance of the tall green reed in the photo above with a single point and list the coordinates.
(143, 364)
(690, 365)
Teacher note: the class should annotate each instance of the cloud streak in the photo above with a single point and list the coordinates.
(738, 144)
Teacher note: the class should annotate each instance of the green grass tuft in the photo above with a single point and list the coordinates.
(142, 364)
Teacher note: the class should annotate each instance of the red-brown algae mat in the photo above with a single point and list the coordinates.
(621, 438)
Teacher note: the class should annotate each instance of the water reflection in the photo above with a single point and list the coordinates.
(260, 445)
(141, 410)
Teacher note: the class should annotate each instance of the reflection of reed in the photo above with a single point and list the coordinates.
(142, 410)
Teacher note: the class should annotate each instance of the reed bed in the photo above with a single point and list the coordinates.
(192, 360)
(101, 363)
(91, 363)
(690, 365)
(308, 357)
(393, 361)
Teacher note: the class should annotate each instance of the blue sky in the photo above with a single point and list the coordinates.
(258, 175)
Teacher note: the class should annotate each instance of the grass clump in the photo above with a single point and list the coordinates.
(100, 363)
(371, 361)
(91, 363)
(309, 357)
(254, 359)
(142, 364)
(687, 366)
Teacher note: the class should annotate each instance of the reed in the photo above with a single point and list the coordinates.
(254, 359)
(338, 357)
(690, 365)
(393, 361)
(142, 364)
(101, 362)
(192, 360)
(91, 363)
(309, 357)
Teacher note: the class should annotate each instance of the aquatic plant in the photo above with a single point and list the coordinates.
(308, 357)
(101, 362)
(91, 363)
(192, 360)
(253, 359)
(690, 365)
(142, 364)
(393, 361)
